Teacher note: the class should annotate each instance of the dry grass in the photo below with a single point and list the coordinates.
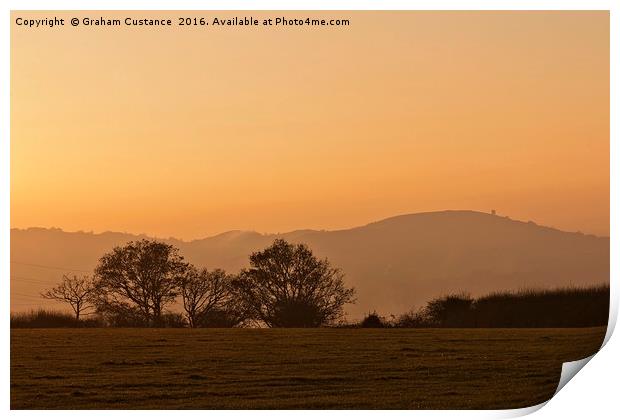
(288, 368)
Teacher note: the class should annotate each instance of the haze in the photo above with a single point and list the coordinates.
(188, 132)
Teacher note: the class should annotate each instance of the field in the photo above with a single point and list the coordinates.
(289, 368)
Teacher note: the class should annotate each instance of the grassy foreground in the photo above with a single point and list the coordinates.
(289, 368)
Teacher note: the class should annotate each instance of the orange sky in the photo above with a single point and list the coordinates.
(189, 132)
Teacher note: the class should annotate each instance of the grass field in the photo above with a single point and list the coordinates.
(288, 368)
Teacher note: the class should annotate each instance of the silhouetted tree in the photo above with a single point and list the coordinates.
(77, 291)
(139, 280)
(287, 286)
(205, 292)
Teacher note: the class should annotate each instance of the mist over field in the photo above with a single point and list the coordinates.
(395, 264)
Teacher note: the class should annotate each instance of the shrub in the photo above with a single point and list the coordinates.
(373, 320)
(42, 318)
(551, 308)
(413, 319)
(562, 307)
(453, 310)
(129, 319)
(172, 320)
(220, 318)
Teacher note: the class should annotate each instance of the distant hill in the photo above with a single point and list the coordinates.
(395, 264)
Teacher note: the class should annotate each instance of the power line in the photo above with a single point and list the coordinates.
(22, 298)
(31, 280)
(49, 267)
(25, 296)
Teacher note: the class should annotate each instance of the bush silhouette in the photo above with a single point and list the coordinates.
(413, 319)
(564, 307)
(43, 318)
(453, 310)
(373, 320)
(552, 308)
(220, 318)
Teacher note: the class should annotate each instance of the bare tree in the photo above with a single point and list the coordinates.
(287, 286)
(203, 292)
(139, 280)
(77, 291)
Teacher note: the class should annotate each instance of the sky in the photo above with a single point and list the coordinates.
(193, 131)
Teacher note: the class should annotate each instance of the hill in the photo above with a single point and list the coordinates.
(395, 264)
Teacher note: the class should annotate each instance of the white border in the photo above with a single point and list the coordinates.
(593, 394)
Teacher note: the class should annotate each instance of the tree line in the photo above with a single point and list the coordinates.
(551, 308)
(135, 284)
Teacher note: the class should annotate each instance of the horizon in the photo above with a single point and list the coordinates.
(300, 229)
